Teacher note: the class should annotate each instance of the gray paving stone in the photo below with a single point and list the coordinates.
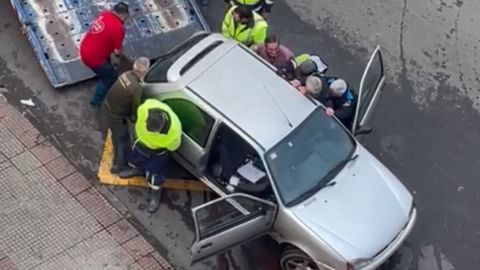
(26, 162)
(59, 262)
(5, 164)
(101, 252)
(11, 191)
(39, 219)
(9, 145)
(42, 226)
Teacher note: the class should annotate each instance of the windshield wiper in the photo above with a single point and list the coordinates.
(325, 182)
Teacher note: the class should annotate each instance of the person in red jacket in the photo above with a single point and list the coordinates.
(104, 37)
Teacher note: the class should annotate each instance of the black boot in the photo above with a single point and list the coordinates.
(130, 172)
(117, 168)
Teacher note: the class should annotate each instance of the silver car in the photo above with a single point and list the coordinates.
(279, 164)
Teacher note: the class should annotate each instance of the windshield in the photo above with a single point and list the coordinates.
(309, 157)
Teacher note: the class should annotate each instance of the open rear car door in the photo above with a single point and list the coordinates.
(229, 221)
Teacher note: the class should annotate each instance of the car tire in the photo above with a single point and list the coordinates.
(295, 259)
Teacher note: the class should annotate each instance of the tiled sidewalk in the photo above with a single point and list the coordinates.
(51, 217)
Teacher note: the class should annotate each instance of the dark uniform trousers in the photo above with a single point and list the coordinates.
(118, 126)
(153, 162)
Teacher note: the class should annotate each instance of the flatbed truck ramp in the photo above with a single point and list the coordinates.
(54, 28)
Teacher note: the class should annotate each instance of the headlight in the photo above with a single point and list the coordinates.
(358, 264)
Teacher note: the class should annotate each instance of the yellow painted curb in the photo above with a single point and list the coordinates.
(109, 179)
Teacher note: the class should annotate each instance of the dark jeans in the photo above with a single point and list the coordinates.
(120, 135)
(106, 78)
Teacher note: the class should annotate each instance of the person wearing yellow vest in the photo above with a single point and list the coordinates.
(157, 132)
(305, 65)
(245, 26)
(260, 6)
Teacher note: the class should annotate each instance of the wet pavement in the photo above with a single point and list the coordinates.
(425, 125)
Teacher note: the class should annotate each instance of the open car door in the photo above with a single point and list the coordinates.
(226, 222)
(369, 92)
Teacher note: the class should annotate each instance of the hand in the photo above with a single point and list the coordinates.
(302, 89)
(329, 111)
(295, 83)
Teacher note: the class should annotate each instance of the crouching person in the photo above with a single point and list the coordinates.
(334, 93)
(157, 133)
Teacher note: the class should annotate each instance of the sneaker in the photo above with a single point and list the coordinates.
(154, 203)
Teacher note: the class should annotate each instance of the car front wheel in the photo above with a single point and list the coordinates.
(295, 259)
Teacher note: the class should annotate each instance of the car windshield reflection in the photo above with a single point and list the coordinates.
(308, 156)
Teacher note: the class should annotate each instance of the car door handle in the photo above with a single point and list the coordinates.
(207, 245)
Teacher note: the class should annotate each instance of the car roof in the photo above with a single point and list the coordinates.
(249, 94)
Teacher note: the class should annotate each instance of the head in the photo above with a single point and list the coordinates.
(307, 68)
(242, 14)
(121, 10)
(272, 46)
(157, 121)
(141, 66)
(314, 85)
(338, 88)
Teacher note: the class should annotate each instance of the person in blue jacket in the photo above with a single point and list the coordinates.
(335, 94)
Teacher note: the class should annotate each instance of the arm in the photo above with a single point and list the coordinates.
(136, 100)
(118, 37)
(260, 34)
(288, 53)
(226, 23)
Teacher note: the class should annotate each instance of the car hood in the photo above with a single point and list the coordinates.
(362, 213)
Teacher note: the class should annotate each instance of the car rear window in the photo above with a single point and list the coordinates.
(158, 71)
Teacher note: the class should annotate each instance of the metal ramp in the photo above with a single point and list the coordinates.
(55, 28)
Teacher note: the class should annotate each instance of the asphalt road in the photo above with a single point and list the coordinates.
(425, 125)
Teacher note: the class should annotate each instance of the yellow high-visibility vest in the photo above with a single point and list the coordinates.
(248, 2)
(242, 33)
(154, 140)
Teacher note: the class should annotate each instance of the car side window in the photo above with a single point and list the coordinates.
(226, 214)
(196, 123)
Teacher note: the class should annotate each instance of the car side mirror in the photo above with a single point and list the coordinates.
(364, 130)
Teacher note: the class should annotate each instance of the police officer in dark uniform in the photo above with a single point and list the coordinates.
(120, 104)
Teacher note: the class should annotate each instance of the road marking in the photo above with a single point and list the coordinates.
(431, 259)
(107, 178)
